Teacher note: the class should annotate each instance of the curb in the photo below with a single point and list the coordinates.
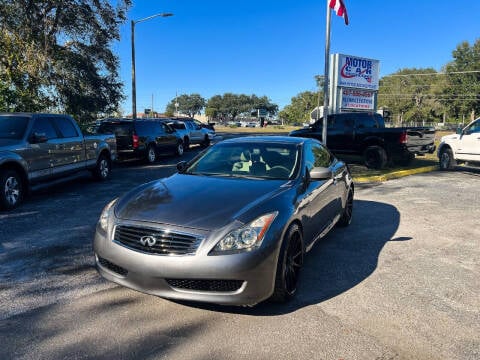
(394, 175)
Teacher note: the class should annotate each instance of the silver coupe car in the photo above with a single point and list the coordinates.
(231, 227)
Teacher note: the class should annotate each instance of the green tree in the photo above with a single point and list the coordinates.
(300, 107)
(410, 94)
(228, 106)
(187, 104)
(461, 91)
(56, 55)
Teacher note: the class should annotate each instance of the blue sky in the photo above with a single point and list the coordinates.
(275, 48)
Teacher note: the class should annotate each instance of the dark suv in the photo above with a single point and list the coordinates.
(142, 139)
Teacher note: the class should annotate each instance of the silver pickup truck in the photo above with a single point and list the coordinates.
(42, 149)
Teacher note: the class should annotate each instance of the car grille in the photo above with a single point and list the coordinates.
(206, 285)
(156, 241)
(112, 267)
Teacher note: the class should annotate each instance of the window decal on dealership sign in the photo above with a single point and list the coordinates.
(357, 99)
(357, 72)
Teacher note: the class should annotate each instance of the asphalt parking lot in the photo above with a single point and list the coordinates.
(400, 283)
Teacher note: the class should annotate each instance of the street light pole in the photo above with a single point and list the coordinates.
(134, 86)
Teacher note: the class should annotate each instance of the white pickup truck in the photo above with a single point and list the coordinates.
(464, 146)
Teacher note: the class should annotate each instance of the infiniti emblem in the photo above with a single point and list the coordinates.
(148, 240)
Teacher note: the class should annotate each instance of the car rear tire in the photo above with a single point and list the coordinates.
(289, 263)
(12, 190)
(151, 154)
(186, 143)
(179, 149)
(375, 157)
(447, 161)
(347, 213)
(103, 168)
(206, 141)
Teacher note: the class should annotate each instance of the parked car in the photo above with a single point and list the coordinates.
(231, 227)
(142, 139)
(42, 149)
(208, 125)
(464, 146)
(365, 134)
(191, 133)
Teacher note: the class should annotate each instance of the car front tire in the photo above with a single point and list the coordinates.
(179, 149)
(447, 161)
(151, 154)
(347, 213)
(289, 263)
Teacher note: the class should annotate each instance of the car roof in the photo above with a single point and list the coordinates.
(267, 139)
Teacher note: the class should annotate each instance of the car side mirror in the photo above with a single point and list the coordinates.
(321, 173)
(37, 138)
(182, 166)
(459, 131)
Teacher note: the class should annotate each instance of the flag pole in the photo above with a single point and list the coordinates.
(325, 85)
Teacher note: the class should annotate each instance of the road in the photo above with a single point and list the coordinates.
(400, 283)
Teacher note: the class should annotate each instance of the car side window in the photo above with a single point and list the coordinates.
(66, 127)
(43, 127)
(474, 128)
(322, 157)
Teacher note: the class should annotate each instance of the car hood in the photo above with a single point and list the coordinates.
(300, 132)
(449, 137)
(202, 202)
(9, 144)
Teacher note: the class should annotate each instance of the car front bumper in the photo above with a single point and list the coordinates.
(245, 278)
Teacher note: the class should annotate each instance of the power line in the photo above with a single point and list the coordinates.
(435, 73)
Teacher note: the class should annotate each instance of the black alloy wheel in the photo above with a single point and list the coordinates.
(289, 264)
(347, 213)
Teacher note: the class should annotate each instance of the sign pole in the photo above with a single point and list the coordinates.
(325, 85)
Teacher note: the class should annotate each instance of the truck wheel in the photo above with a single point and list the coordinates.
(375, 157)
(103, 168)
(12, 190)
(179, 149)
(151, 154)
(186, 143)
(289, 263)
(447, 162)
(206, 141)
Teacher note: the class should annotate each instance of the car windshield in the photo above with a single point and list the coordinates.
(13, 127)
(251, 160)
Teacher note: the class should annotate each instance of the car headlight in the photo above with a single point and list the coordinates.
(106, 213)
(248, 236)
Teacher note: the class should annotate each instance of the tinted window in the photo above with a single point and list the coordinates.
(316, 156)
(474, 128)
(67, 129)
(12, 127)
(365, 120)
(119, 129)
(43, 127)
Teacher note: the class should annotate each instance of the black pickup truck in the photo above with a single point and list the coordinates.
(365, 134)
(37, 150)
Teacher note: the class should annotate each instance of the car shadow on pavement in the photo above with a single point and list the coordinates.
(337, 263)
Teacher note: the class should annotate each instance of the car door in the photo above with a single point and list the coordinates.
(196, 134)
(320, 199)
(43, 151)
(70, 146)
(165, 137)
(469, 143)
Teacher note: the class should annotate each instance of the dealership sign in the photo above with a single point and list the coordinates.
(357, 72)
(358, 99)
